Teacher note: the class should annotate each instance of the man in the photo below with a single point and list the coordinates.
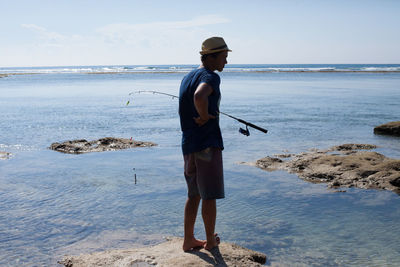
(199, 98)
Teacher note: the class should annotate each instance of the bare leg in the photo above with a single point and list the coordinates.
(209, 213)
(191, 207)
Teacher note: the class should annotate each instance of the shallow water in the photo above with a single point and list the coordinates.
(54, 204)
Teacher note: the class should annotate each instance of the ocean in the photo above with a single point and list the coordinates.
(53, 204)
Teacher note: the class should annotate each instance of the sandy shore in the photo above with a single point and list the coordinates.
(18, 73)
(347, 165)
(169, 254)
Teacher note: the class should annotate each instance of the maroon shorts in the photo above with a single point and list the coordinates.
(204, 173)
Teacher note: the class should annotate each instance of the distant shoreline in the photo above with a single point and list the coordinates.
(185, 68)
(3, 75)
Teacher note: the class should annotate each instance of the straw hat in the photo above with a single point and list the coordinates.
(213, 45)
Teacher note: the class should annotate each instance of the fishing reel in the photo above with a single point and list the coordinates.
(244, 132)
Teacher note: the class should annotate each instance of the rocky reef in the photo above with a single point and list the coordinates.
(169, 254)
(102, 144)
(347, 165)
(390, 128)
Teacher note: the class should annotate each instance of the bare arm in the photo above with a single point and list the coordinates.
(201, 103)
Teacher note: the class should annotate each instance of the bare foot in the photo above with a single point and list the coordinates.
(214, 243)
(192, 244)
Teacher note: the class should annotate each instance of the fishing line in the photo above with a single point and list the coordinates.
(241, 130)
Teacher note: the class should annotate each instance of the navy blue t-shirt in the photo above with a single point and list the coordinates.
(196, 138)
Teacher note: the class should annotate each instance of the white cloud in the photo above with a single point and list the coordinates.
(149, 33)
(195, 22)
(163, 42)
(44, 33)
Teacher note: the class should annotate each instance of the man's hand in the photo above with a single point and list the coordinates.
(201, 121)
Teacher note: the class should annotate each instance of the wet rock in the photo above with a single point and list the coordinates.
(349, 147)
(5, 155)
(396, 182)
(284, 155)
(269, 163)
(391, 128)
(169, 254)
(102, 144)
(348, 168)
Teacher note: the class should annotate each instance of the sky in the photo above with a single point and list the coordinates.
(155, 32)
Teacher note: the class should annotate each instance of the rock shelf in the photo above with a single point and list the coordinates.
(169, 254)
(102, 144)
(391, 128)
(347, 165)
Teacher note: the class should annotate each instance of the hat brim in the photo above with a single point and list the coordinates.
(214, 51)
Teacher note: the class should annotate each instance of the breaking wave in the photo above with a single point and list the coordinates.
(186, 68)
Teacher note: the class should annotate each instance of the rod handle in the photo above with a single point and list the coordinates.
(253, 126)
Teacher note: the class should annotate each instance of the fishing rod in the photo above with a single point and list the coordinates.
(241, 130)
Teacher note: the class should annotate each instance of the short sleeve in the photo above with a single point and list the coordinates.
(211, 79)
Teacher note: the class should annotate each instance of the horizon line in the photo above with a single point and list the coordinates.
(188, 64)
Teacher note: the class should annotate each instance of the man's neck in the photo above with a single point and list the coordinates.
(207, 66)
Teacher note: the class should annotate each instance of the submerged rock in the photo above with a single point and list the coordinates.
(349, 147)
(169, 254)
(391, 128)
(5, 155)
(102, 144)
(341, 166)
